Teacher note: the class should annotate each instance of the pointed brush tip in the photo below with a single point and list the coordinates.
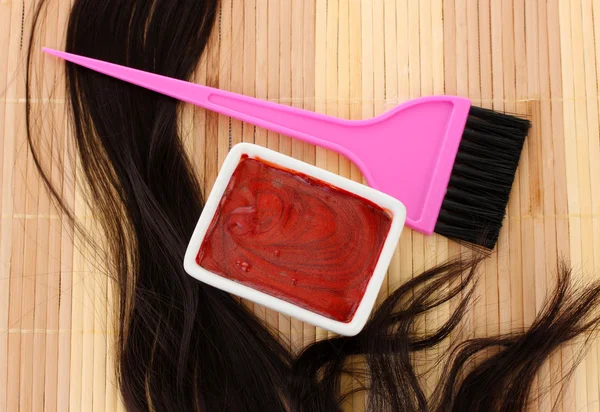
(53, 52)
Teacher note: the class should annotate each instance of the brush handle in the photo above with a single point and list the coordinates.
(407, 152)
(301, 124)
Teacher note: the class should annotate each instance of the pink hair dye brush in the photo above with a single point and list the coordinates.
(451, 164)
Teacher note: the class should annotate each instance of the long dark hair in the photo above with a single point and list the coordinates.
(182, 345)
(185, 346)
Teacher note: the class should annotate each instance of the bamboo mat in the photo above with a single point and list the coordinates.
(348, 58)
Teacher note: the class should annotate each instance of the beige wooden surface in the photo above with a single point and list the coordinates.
(349, 58)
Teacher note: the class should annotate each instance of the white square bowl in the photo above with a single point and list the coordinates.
(394, 206)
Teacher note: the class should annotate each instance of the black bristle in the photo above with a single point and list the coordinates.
(484, 170)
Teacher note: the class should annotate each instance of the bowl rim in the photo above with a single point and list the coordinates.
(393, 205)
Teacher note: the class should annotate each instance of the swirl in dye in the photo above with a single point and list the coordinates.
(295, 237)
